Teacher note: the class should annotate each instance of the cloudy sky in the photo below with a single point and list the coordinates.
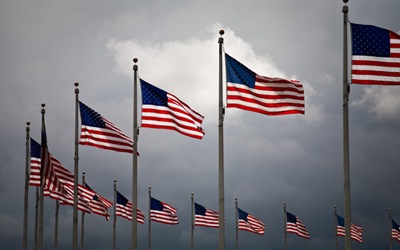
(46, 46)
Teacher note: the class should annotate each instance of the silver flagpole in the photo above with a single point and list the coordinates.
(221, 148)
(27, 170)
(285, 226)
(76, 172)
(336, 238)
(134, 168)
(83, 217)
(390, 229)
(346, 158)
(41, 203)
(192, 227)
(56, 226)
(115, 214)
(149, 231)
(237, 224)
(36, 236)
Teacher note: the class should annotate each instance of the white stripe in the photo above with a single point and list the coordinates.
(376, 78)
(395, 40)
(376, 68)
(263, 92)
(374, 59)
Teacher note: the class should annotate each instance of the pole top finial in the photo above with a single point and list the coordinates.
(221, 32)
(135, 60)
(28, 123)
(76, 84)
(345, 1)
(43, 105)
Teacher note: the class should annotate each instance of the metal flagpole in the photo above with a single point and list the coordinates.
(83, 217)
(115, 214)
(76, 173)
(27, 170)
(36, 236)
(285, 226)
(336, 238)
(346, 158)
(192, 227)
(237, 224)
(56, 226)
(41, 203)
(134, 168)
(149, 232)
(390, 229)
(221, 149)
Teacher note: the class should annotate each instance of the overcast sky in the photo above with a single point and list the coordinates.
(46, 46)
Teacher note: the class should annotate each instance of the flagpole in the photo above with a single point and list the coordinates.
(41, 203)
(134, 168)
(346, 158)
(56, 226)
(237, 224)
(192, 227)
(390, 229)
(285, 231)
(76, 173)
(149, 231)
(221, 148)
(336, 238)
(37, 200)
(27, 170)
(83, 217)
(115, 215)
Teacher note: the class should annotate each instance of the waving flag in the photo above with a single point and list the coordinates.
(162, 212)
(98, 204)
(295, 226)
(269, 96)
(59, 181)
(356, 231)
(163, 110)
(124, 209)
(205, 217)
(395, 231)
(250, 223)
(34, 176)
(376, 55)
(99, 132)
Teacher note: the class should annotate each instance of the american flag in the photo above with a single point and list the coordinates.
(376, 55)
(205, 217)
(395, 231)
(250, 223)
(124, 209)
(34, 175)
(99, 132)
(98, 204)
(295, 226)
(269, 96)
(59, 181)
(162, 212)
(163, 110)
(356, 231)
